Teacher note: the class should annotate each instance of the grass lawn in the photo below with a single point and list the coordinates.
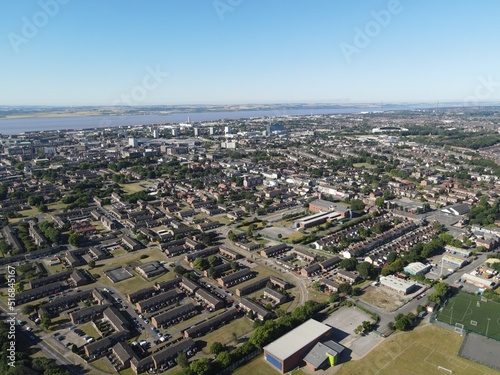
(185, 324)
(259, 366)
(417, 352)
(127, 371)
(222, 219)
(224, 334)
(133, 187)
(31, 212)
(295, 237)
(317, 296)
(103, 365)
(363, 165)
(56, 206)
(89, 330)
(61, 319)
(118, 252)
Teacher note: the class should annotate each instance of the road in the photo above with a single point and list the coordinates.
(299, 282)
(386, 316)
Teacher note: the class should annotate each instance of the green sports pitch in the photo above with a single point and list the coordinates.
(474, 312)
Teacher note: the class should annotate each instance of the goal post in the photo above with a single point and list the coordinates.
(440, 368)
(459, 328)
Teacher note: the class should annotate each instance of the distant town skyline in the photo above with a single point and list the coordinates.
(74, 53)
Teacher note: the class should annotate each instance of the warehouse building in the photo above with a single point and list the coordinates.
(288, 351)
(398, 285)
(417, 268)
(455, 260)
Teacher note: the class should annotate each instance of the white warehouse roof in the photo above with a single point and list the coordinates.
(296, 339)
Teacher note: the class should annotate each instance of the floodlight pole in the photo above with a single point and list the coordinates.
(487, 326)
(451, 315)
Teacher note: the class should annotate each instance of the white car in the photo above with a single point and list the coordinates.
(143, 342)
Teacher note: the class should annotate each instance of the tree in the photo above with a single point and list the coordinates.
(216, 347)
(182, 360)
(334, 297)
(74, 239)
(345, 288)
(224, 359)
(214, 260)
(357, 205)
(43, 208)
(91, 264)
(367, 326)
(366, 270)
(316, 286)
(380, 202)
(231, 236)
(35, 200)
(349, 264)
(201, 367)
(74, 348)
(45, 321)
(235, 265)
(392, 257)
(28, 309)
(201, 264)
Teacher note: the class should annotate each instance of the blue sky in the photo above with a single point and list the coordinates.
(96, 52)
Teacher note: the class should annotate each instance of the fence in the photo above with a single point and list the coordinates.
(229, 370)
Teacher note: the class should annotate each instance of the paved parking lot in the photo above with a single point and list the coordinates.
(344, 321)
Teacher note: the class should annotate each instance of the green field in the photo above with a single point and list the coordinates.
(419, 352)
(259, 366)
(476, 315)
(224, 335)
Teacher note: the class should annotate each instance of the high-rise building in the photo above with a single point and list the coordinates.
(196, 132)
(175, 132)
(133, 142)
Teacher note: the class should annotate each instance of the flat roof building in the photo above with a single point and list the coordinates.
(288, 351)
(417, 268)
(398, 285)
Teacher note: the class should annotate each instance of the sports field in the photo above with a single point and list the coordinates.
(429, 350)
(474, 313)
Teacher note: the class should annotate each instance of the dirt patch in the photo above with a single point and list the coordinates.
(381, 298)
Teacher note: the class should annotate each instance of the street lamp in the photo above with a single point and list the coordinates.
(487, 326)
(451, 315)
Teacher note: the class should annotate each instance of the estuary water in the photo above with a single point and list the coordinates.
(20, 125)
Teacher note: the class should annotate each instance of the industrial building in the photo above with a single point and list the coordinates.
(417, 268)
(398, 285)
(288, 351)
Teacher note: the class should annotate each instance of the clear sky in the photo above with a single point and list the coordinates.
(96, 52)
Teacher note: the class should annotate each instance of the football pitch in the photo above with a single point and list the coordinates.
(474, 313)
